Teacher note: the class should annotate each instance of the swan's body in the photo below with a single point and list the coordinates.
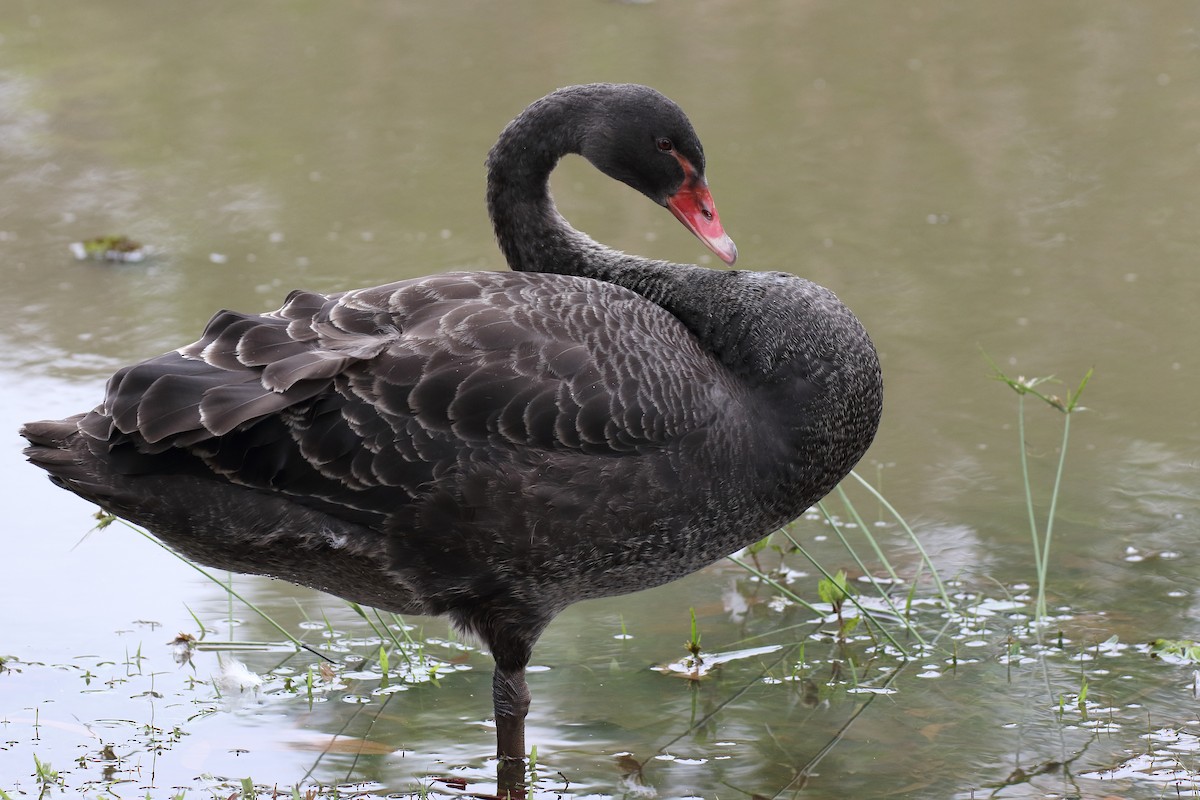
(497, 446)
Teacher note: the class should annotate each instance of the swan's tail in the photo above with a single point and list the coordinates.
(57, 446)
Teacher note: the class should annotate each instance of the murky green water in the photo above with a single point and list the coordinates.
(1014, 178)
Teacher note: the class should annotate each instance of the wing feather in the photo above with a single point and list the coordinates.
(366, 400)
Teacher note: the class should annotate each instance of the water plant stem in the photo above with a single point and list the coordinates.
(941, 587)
(1045, 558)
(266, 617)
(1039, 566)
(1041, 545)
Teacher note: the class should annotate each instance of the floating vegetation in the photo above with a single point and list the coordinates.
(1176, 651)
(115, 249)
(694, 667)
(216, 678)
(1170, 761)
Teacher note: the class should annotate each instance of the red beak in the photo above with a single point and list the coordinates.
(692, 204)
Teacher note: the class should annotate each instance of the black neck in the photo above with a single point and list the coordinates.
(532, 234)
(718, 306)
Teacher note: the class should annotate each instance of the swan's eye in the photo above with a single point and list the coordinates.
(664, 145)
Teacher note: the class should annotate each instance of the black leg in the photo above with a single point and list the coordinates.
(510, 695)
(509, 633)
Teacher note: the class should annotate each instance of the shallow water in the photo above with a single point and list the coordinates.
(1012, 179)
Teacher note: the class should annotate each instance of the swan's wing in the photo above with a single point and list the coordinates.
(369, 397)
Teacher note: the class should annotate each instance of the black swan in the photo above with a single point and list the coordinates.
(494, 446)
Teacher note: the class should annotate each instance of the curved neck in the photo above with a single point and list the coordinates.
(533, 236)
(715, 305)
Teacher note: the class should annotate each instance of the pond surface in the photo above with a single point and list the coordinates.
(1017, 179)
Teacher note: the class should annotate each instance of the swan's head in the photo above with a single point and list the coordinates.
(639, 137)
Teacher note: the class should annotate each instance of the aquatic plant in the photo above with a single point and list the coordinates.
(1028, 387)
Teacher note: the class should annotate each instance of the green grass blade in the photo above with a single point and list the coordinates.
(867, 614)
(937, 579)
(858, 561)
(266, 617)
(852, 510)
